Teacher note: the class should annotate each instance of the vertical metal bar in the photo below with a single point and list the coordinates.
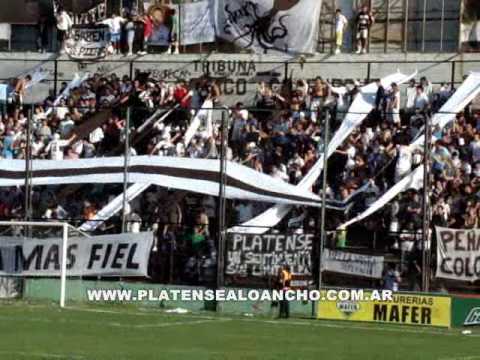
(461, 12)
(324, 197)
(453, 75)
(442, 21)
(55, 77)
(405, 28)
(424, 24)
(221, 207)
(125, 171)
(387, 27)
(370, 5)
(63, 274)
(369, 71)
(426, 202)
(28, 155)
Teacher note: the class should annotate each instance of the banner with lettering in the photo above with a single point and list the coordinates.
(289, 26)
(352, 264)
(88, 42)
(256, 258)
(197, 24)
(108, 255)
(458, 254)
(470, 26)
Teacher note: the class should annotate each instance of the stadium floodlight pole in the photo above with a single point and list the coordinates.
(221, 203)
(324, 199)
(125, 170)
(426, 203)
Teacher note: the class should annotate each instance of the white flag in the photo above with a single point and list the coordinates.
(283, 25)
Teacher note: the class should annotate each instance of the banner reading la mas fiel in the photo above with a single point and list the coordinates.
(458, 254)
(108, 255)
(405, 309)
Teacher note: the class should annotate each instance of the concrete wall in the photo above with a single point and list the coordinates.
(239, 73)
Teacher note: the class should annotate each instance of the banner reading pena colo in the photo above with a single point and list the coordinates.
(407, 309)
(458, 254)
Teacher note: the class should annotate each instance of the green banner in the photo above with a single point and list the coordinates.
(465, 311)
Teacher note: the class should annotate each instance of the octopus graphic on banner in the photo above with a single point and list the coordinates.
(269, 24)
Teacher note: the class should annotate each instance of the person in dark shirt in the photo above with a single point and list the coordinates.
(365, 20)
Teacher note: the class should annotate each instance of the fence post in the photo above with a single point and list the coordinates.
(369, 71)
(454, 64)
(426, 203)
(131, 69)
(55, 76)
(221, 207)
(125, 170)
(324, 199)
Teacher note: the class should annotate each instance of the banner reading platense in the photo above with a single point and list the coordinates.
(264, 255)
(458, 254)
(108, 255)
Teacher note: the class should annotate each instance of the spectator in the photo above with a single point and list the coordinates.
(365, 20)
(340, 25)
(64, 25)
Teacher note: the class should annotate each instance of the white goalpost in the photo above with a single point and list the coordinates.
(15, 233)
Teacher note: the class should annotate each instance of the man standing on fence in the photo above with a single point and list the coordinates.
(365, 20)
(340, 25)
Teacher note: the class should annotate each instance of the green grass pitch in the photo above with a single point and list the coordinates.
(41, 332)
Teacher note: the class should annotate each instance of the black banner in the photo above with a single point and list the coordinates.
(257, 259)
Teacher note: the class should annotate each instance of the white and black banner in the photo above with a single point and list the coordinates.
(352, 264)
(458, 254)
(87, 42)
(10, 287)
(107, 255)
(195, 175)
(284, 25)
(264, 255)
(197, 23)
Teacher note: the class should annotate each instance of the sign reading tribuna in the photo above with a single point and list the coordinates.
(407, 309)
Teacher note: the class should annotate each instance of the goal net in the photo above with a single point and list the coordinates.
(35, 250)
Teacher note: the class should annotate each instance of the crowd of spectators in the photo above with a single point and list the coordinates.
(282, 134)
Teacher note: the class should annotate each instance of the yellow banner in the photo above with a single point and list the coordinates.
(407, 309)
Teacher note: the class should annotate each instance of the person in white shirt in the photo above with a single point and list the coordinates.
(411, 92)
(421, 101)
(64, 25)
(394, 104)
(115, 27)
(56, 147)
(340, 25)
(404, 162)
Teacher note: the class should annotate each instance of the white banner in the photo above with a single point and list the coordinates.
(108, 255)
(5, 31)
(10, 288)
(352, 264)
(203, 115)
(88, 42)
(284, 25)
(197, 23)
(3, 92)
(195, 175)
(360, 108)
(458, 254)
